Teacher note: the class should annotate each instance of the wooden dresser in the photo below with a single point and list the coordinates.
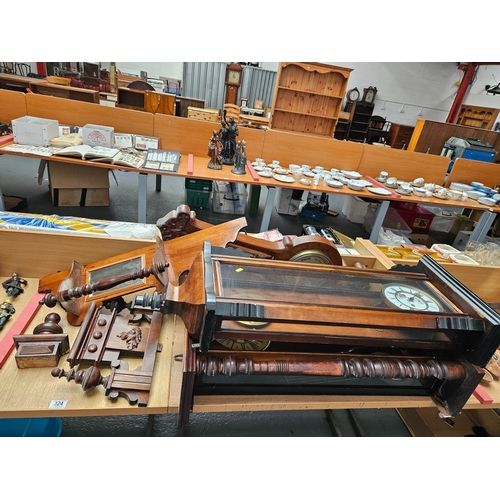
(399, 136)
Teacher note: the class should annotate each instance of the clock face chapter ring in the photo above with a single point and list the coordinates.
(409, 298)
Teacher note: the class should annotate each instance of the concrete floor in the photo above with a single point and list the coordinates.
(18, 177)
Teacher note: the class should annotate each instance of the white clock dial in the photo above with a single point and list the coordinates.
(409, 298)
(234, 77)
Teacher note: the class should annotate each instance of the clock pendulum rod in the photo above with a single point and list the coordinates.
(350, 367)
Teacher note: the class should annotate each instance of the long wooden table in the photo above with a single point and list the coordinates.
(196, 168)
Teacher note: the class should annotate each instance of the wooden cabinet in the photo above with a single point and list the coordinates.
(144, 100)
(399, 136)
(474, 116)
(308, 97)
(361, 114)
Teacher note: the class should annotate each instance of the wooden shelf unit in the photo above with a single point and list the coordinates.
(361, 114)
(308, 97)
(479, 117)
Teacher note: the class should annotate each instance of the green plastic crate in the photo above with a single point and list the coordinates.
(197, 198)
(199, 185)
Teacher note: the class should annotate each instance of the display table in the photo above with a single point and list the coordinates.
(196, 168)
(33, 392)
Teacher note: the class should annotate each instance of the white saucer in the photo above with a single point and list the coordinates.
(308, 173)
(265, 174)
(306, 182)
(283, 178)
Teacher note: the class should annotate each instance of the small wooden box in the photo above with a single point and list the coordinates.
(205, 114)
(38, 351)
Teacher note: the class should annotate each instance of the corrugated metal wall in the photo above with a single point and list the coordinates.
(206, 80)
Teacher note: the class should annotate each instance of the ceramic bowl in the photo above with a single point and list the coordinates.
(419, 191)
(454, 195)
(334, 184)
(356, 185)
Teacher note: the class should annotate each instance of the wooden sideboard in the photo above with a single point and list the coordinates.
(399, 136)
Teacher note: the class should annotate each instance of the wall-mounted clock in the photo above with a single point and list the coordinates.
(234, 74)
(353, 95)
(409, 298)
(369, 95)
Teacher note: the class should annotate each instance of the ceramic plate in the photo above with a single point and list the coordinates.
(265, 174)
(379, 191)
(306, 182)
(284, 178)
(486, 201)
(308, 173)
(351, 174)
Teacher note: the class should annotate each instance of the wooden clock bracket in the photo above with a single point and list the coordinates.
(103, 338)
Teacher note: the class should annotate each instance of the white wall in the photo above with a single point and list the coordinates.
(406, 90)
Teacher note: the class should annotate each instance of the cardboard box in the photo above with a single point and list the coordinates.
(288, 201)
(355, 209)
(98, 135)
(77, 186)
(34, 131)
(461, 223)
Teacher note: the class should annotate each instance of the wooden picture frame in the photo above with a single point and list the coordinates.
(244, 102)
(258, 104)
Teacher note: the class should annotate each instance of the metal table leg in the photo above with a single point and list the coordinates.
(142, 197)
(382, 211)
(483, 226)
(268, 209)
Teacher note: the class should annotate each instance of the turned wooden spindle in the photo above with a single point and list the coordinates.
(88, 379)
(50, 300)
(339, 367)
(49, 326)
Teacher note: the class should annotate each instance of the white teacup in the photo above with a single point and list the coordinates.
(276, 163)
